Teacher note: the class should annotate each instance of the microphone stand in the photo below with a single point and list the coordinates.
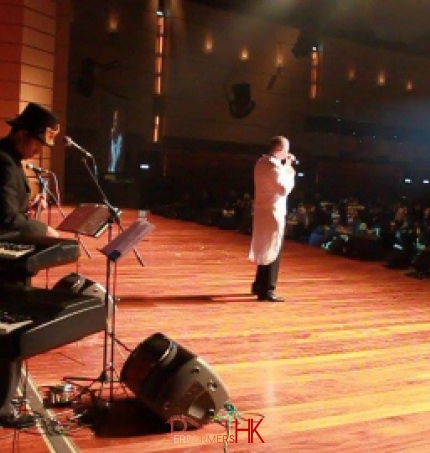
(50, 196)
(114, 213)
(43, 185)
(108, 373)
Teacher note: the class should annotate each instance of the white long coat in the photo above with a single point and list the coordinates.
(272, 184)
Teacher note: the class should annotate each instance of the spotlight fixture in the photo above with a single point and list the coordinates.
(209, 44)
(244, 54)
(382, 78)
(113, 21)
(409, 85)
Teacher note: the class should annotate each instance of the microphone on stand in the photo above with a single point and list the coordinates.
(69, 142)
(38, 170)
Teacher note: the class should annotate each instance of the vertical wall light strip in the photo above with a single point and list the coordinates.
(315, 69)
(156, 134)
(159, 68)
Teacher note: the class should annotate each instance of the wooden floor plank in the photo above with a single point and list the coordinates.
(342, 366)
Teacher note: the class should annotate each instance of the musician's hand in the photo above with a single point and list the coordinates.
(52, 233)
(39, 200)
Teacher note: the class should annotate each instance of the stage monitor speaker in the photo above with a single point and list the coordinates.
(78, 284)
(173, 382)
(241, 103)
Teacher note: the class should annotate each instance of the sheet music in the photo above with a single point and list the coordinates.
(87, 219)
(127, 240)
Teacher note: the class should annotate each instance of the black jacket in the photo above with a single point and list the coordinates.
(15, 193)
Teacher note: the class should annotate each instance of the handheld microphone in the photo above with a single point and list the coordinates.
(69, 142)
(37, 170)
(294, 159)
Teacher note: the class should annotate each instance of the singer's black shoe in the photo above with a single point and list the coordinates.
(254, 289)
(270, 296)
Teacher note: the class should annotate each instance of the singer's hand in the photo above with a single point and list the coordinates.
(52, 233)
(292, 157)
(289, 170)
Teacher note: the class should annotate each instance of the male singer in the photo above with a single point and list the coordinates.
(273, 181)
(115, 145)
(33, 128)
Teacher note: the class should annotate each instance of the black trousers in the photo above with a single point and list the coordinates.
(10, 373)
(266, 276)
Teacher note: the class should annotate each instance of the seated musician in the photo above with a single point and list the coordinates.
(31, 130)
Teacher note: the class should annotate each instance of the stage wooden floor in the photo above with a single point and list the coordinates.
(342, 366)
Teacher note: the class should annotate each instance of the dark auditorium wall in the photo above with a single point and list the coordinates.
(202, 63)
(199, 82)
(377, 86)
(111, 69)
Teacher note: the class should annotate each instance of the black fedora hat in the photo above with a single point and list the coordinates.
(39, 122)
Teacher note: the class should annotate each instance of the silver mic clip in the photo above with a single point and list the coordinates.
(69, 142)
(38, 170)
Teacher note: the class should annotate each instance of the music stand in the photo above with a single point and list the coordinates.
(125, 241)
(88, 219)
(115, 213)
(114, 250)
(54, 199)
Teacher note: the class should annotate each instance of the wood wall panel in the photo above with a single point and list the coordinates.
(10, 71)
(9, 90)
(27, 55)
(9, 109)
(40, 20)
(47, 7)
(38, 40)
(42, 94)
(38, 58)
(37, 76)
(9, 51)
(37, 68)
(10, 33)
(10, 38)
(11, 12)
